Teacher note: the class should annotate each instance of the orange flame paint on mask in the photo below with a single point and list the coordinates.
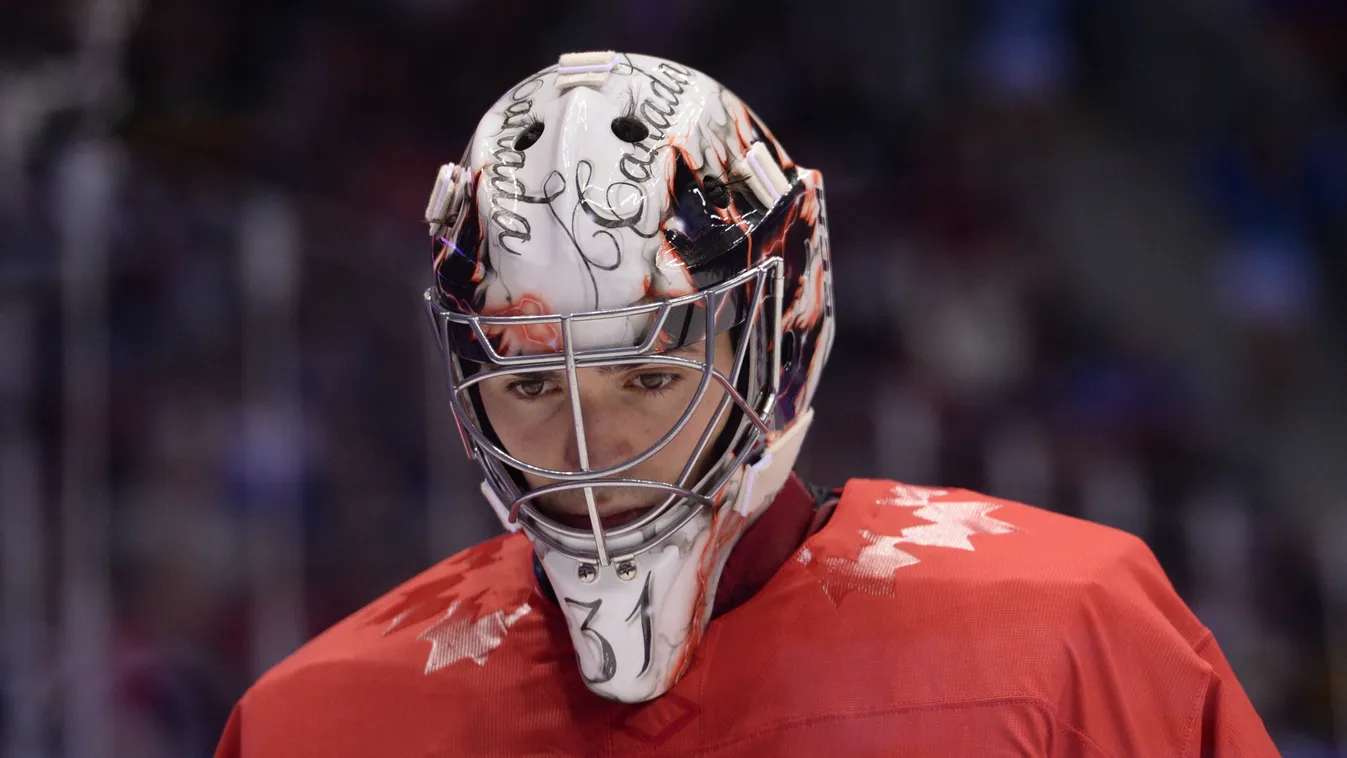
(727, 526)
(669, 265)
(809, 209)
(525, 339)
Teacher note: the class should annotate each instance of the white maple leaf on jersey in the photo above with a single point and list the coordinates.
(951, 524)
(461, 637)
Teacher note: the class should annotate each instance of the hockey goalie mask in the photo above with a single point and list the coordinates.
(629, 268)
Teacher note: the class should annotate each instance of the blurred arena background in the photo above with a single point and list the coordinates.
(1089, 254)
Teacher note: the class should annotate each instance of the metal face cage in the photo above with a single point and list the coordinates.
(478, 348)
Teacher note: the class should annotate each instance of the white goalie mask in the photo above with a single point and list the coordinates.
(612, 211)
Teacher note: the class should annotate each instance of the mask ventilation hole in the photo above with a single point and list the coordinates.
(630, 129)
(716, 193)
(529, 136)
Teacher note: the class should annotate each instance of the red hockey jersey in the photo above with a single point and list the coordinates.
(917, 622)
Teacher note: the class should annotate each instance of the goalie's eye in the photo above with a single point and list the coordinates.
(656, 382)
(530, 388)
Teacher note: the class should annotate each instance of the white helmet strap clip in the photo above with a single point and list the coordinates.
(764, 176)
(446, 198)
(585, 69)
(768, 475)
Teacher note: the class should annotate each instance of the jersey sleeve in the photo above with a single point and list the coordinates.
(229, 746)
(1153, 677)
(1230, 728)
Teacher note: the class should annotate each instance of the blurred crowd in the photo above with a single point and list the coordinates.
(1088, 255)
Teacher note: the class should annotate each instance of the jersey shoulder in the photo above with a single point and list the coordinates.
(989, 544)
(997, 600)
(492, 573)
(419, 648)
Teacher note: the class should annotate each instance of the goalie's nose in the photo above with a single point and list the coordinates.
(604, 437)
